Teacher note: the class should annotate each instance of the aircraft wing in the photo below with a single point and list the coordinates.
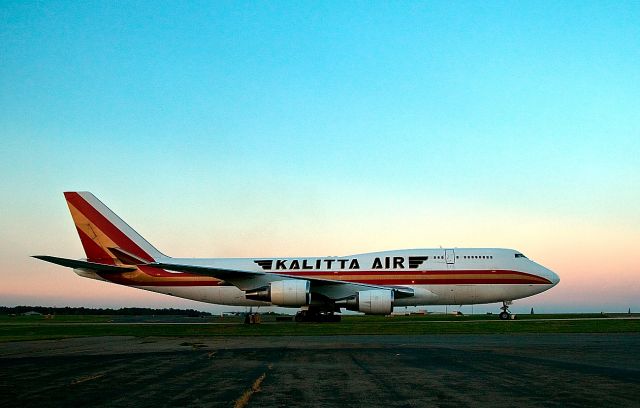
(245, 280)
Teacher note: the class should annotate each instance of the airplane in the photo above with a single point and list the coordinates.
(321, 287)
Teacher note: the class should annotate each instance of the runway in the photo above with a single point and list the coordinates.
(347, 371)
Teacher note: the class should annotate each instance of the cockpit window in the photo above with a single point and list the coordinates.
(520, 256)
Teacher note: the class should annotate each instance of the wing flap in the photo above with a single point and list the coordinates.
(244, 280)
(219, 273)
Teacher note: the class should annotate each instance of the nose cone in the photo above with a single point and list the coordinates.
(553, 277)
(546, 273)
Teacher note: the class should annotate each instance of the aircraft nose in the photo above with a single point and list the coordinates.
(553, 277)
(546, 273)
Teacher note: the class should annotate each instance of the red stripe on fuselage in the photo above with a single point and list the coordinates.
(409, 278)
(106, 226)
(413, 276)
(416, 272)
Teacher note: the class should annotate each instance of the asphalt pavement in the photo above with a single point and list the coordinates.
(325, 371)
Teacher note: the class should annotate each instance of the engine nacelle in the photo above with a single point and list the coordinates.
(376, 301)
(292, 293)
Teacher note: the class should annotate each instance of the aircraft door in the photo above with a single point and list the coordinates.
(450, 256)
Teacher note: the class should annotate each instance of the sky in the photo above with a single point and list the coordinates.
(257, 129)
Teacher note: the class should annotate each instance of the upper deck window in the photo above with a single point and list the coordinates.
(520, 256)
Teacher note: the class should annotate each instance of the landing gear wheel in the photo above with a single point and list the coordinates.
(505, 315)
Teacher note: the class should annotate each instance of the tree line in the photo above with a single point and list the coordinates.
(126, 311)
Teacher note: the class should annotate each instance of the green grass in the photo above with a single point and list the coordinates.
(18, 328)
(4, 319)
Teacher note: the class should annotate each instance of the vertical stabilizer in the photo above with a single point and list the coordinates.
(105, 237)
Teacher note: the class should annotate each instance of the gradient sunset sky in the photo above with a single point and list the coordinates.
(224, 129)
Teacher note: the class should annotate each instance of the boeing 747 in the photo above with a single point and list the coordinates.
(371, 283)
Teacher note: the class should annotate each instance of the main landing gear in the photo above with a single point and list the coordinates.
(316, 316)
(505, 315)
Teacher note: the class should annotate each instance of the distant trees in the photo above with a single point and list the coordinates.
(125, 311)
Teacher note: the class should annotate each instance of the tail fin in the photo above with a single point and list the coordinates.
(105, 237)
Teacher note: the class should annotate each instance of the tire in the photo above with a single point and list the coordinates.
(504, 316)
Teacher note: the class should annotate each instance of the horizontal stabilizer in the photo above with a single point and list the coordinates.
(127, 258)
(76, 264)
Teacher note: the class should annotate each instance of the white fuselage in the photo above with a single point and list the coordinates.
(436, 276)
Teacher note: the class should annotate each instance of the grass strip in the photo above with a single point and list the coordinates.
(357, 326)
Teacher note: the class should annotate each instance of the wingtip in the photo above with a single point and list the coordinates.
(45, 258)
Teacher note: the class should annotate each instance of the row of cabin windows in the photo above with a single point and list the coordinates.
(468, 257)
(477, 257)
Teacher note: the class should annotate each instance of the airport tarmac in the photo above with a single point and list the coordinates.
(325, 371)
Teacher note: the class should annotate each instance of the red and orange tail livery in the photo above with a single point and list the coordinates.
(105, 237)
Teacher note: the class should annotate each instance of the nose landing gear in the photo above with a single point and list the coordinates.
(505, 315)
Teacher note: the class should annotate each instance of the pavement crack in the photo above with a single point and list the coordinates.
(86, 378)
(246, 396)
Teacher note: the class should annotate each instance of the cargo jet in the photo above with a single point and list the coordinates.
(371, 283)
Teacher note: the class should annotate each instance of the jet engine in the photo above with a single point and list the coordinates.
(377, 301)
(292, 293)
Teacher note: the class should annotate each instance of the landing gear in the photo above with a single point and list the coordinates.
(301, 316)
(317, 316)
(505, 315)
